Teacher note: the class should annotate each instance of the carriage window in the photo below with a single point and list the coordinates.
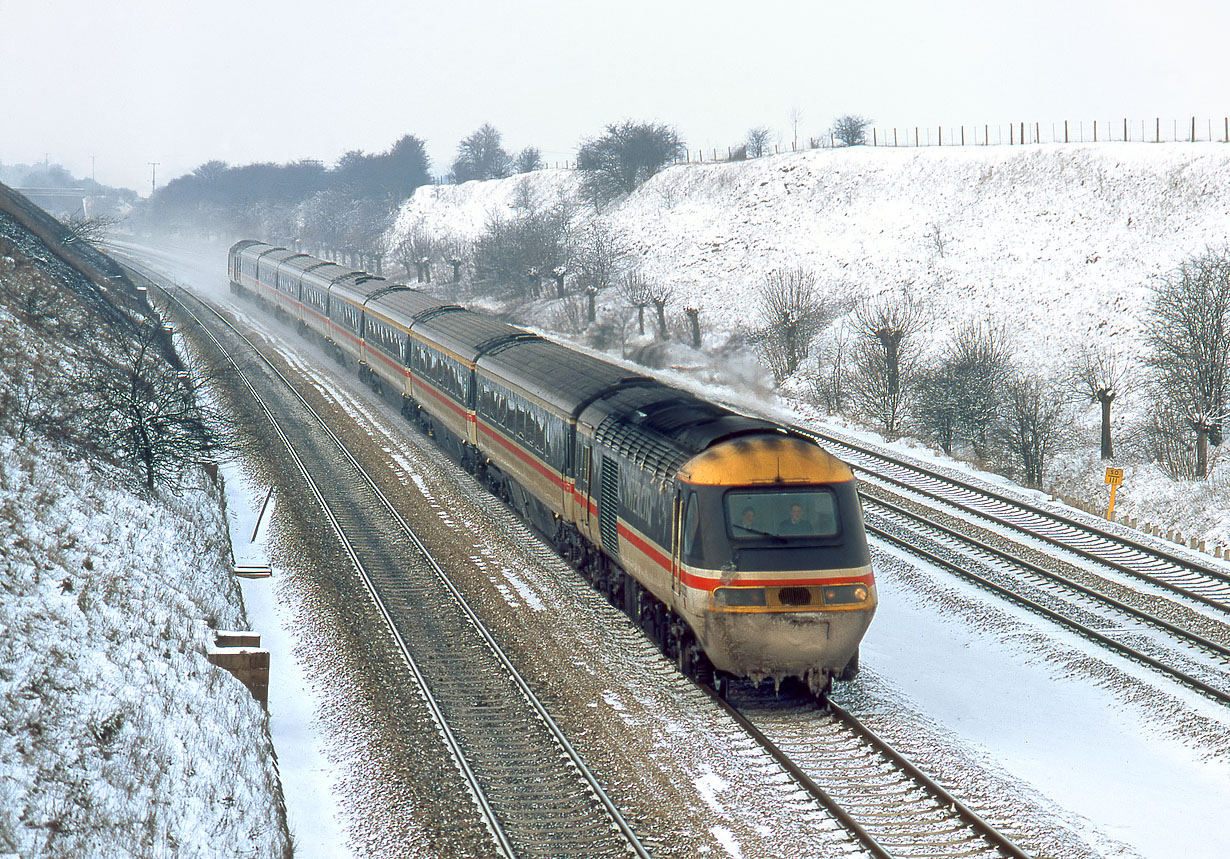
(782, 515)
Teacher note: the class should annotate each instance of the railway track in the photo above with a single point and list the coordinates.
(890, 807)
(893, 808)
(1132, 626)
(531, 790)
(1204, 583)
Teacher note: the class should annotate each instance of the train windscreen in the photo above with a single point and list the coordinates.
(781, 514)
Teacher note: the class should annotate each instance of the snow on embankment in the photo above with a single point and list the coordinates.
(1059, 242)
(118, 737)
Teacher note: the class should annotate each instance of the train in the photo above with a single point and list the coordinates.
(737, 544)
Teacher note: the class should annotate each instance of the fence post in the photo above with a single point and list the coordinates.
(894, 136)
(873, 137)
(962, 135)
(986, 135)
(1095, 131)
(1157, 134)
(1011, 134)
(939, 136)
(916, 136)
(1125, 136)
(1193, 129)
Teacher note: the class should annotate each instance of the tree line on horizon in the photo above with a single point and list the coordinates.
(348, 206)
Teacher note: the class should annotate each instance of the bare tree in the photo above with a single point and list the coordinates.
(960, 397)
(481, 156)
(884, 359)
(142, 410)
(796, 117)
(415, 245)
(757, 142)
(1165, 437)
(514, 253)
(1101, 375)
(659, 296)
(601, 256)
(89, 229)
(624, 157)
(937, 238)
(1034, 425)
(636, 290)
(528, 160)
(1189, 336)
(833, 371)
(850, 130)
(792, 312)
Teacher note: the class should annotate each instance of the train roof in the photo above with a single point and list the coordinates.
(357, 286)
(324, 276)
(277, 255)
(303, 263)
(553, 373)
(245, 244)
(460, 331)
(402, 303)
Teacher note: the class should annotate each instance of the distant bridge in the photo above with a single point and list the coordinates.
(53, 192)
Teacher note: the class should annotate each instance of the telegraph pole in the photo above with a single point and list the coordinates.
(153, 176)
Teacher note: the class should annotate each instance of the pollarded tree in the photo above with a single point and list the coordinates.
(636, 289)
(481, 156)
(601, 256)
(850, 130)
(792, 312)
(1189, 336)
(624, 157)
(884, 359)
(1101, 375)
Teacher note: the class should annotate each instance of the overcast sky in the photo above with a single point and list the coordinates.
(128, 82)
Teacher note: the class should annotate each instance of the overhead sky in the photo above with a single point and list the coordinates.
(114, 85)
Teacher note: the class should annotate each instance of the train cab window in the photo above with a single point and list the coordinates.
(690, 542)
(777, 515)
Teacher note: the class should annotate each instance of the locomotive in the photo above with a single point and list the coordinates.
(736, 544)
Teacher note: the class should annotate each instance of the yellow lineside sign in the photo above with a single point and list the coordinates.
(1114, 476)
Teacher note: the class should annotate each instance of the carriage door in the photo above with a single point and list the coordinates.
(584, 485)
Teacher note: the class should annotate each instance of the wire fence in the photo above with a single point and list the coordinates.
(1157, 130)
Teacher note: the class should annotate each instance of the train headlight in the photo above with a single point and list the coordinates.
(846, 594)
(739, 597)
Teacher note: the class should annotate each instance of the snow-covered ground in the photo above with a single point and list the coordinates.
(119, 737)
(1059, 243)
